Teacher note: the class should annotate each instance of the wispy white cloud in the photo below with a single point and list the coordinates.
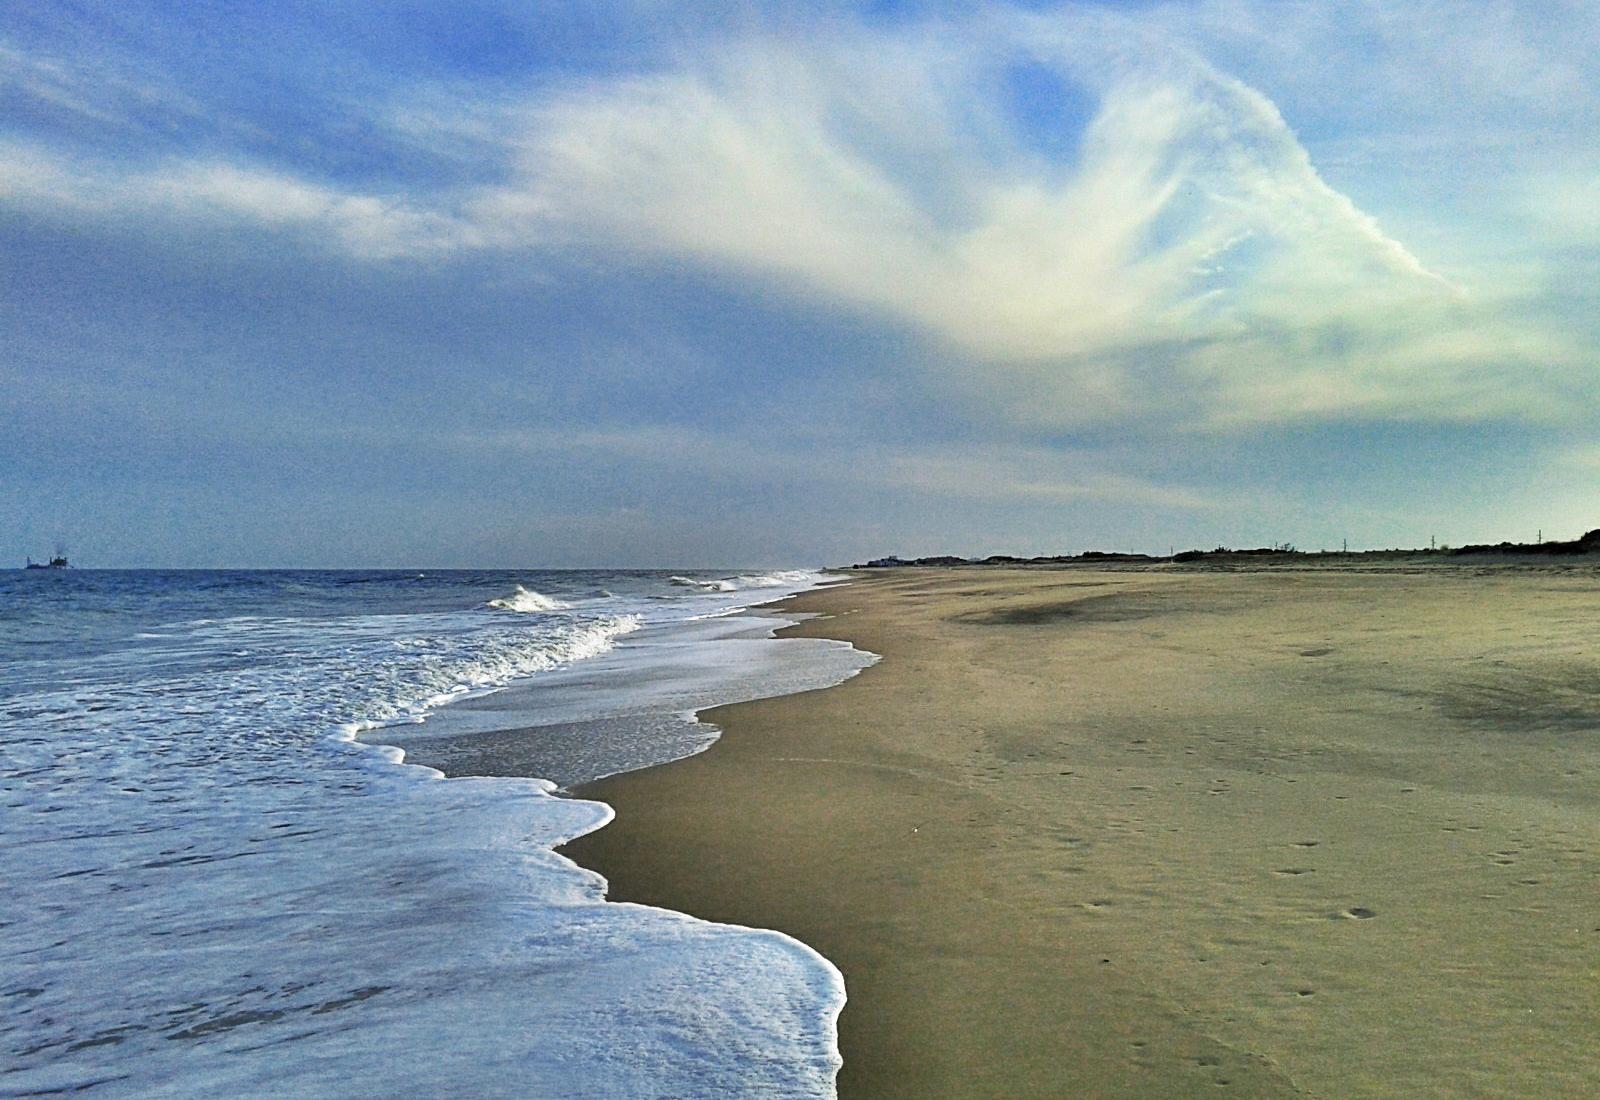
(764, 159)
(1476, 66)
(1191, 229)
(100, 91)
(368, 225)
(1188, 257)
(211, 192)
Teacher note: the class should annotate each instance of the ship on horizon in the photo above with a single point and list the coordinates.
(57, 562)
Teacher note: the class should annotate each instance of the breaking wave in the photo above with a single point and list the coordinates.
(526, 600)
(773, 580)
(702, 583)
(742, 581)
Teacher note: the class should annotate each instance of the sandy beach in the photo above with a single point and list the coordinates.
(1169, 833)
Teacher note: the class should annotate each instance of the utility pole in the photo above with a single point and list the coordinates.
(1346, 549)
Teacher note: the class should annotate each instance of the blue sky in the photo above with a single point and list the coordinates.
(549, 284)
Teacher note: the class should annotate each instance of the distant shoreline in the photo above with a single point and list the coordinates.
(1586, 545)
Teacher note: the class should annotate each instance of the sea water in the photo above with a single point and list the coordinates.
(213, 888)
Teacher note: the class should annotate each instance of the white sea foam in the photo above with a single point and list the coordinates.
(527, 600)
(743, 581)
(213, 891)
(703, 584)
(783, 578)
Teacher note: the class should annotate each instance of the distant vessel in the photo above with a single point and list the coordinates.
(57, 562)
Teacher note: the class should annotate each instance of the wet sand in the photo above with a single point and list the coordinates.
(1159, 833)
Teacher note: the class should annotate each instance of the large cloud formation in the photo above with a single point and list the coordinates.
(1187, 227)
(1174, 254)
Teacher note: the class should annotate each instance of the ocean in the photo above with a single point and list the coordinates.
(221, 879)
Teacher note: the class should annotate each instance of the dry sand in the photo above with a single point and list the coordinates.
(1160, 833)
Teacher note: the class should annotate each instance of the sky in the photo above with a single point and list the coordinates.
(391, 283)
